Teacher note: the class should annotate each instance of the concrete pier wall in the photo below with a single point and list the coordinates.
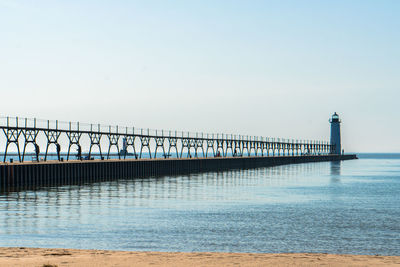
(30, 175)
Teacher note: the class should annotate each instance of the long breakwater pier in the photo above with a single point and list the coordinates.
(41, 153)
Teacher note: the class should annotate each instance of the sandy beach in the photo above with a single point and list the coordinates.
(20, 256)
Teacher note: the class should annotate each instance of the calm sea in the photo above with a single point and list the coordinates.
(333, 207)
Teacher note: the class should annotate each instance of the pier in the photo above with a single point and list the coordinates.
(44, 153)
(30, 175)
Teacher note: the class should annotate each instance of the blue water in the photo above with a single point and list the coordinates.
(348, 207)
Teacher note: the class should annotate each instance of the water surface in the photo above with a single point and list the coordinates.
(348, 207)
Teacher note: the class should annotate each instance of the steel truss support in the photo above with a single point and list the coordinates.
(285, 149)
(220, 146)
(12, 138)
(268, 147)
(113, 140)
(253, 147)
(172, 142)
(73, 138)
(228, 145)
(199, 144)
(259, 146)
(30, 138)
(264, 147)
(144, 142)
(95, 139)
(159, 143)
(185, 144)
(52, 138)
(272, 148)
(130, 142)
(237, 149)
(210, 144)
(193, 144)
(245, 145)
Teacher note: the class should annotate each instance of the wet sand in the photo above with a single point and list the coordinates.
(72, 257)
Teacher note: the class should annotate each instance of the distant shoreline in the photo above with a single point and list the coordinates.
(21, 256)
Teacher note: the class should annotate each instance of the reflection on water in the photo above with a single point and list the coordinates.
(316, 207)
(335, 171)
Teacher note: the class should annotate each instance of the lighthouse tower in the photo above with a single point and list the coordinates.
(335, 134)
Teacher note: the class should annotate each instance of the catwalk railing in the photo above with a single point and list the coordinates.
(44, 139)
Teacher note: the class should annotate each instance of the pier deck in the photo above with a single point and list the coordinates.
(27, 175)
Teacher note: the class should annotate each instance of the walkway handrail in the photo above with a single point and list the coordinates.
(25, 131)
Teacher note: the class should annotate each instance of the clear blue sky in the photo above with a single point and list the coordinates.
(271, 68)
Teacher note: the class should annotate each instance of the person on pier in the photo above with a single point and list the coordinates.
(37, 151)
(58, 147)
(79, 153)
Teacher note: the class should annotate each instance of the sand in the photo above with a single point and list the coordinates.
(73, 257)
